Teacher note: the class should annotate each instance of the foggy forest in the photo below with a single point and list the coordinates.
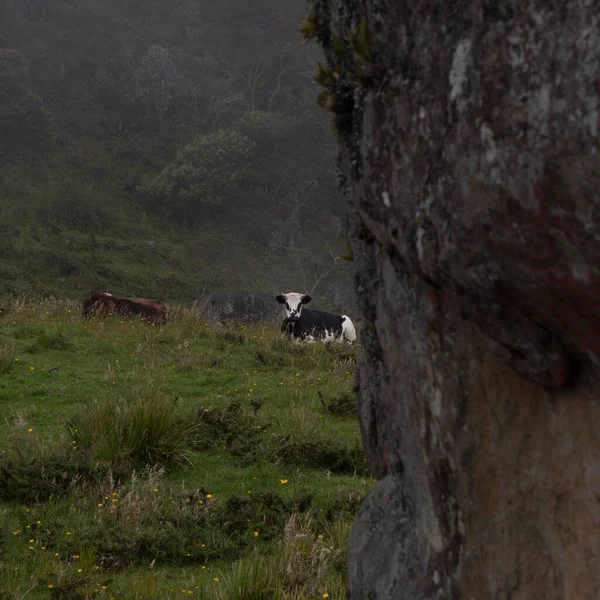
(164, 149)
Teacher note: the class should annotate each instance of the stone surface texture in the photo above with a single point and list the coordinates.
(240, 306)
(470, 152)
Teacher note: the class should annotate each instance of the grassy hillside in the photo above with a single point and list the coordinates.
(129, 253)
(156, 462)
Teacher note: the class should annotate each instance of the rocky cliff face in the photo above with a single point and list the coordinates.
(470, 152)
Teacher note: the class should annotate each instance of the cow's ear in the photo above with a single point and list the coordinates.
(305, 299)
(280, 299)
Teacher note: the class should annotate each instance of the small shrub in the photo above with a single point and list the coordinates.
(264, 510)
(220, 425)
(341, 406)
(32, 472)
(343, 503)
(316, 452)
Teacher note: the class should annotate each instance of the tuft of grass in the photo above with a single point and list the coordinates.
(146, 430)
(54, 338)
(251, 578)
(7, 359)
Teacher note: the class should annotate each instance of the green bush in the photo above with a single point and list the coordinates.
(32, 472)
(265, 511)
(312, 450)
(343, 405)
(230, 424)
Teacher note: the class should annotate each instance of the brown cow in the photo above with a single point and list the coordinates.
(103, 303)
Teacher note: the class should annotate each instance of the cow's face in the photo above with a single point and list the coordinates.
(293, 303)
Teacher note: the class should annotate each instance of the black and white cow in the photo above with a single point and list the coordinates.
(310, 325)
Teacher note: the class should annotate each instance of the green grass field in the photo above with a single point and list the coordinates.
(185, 460)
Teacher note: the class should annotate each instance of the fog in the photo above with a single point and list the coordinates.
(165, 149)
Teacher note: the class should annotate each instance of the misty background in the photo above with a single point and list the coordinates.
(165, 149)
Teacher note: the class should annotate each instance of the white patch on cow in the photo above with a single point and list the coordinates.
(329, 336)
(386, 199)
(348, 331)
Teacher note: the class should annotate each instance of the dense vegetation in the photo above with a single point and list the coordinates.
(142, 462)
(163, 149)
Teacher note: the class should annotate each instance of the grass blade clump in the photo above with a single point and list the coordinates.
(146, 430)
(7, 359)
(306, 565)
(54, 338)
(251, 578)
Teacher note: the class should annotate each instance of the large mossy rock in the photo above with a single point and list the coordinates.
(470, 153)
